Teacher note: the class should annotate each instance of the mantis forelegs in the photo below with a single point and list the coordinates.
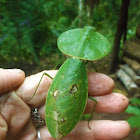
(39, 84)
(92, 110)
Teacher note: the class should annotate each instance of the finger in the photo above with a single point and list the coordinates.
(27, 133)
(10, 79)
(111, 103)
(99, 84)
(100, 130)
(27, 89)
(3, 128)
(15, 112)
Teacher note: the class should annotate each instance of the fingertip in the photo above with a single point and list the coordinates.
(10, 79)
(110, 103)
(111, 129)
(122, 102)
(16, 77)
(16, 71)
(125, 128)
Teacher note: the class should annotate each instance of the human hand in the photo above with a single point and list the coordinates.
(16, 108)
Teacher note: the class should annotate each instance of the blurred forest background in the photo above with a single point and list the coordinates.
(29, 32)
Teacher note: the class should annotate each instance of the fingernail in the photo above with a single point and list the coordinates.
(15, 70)
(123, 121)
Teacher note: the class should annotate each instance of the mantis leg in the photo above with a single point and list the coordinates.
(39, 84)
(92, 110)
(91, 64)
(91, 97)
(57, 64)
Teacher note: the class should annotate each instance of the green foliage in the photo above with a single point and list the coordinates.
(134, 109)
(133, 18)
(29, 29)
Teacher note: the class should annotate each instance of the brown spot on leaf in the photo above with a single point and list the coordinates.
(73, 89)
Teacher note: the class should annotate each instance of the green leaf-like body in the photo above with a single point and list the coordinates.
(84, 43)
(67, 97)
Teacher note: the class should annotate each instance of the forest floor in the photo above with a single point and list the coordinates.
(102, 66)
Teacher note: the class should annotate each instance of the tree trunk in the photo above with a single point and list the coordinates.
(90, 4)
(81, 12)
(122, 25)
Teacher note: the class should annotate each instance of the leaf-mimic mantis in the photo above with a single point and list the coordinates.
(68, 93)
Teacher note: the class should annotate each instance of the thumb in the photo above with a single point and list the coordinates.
(10, 79)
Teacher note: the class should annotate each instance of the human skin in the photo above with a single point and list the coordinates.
(16, 122)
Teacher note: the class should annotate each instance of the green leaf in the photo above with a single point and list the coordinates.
(135, 101)
(133, 110)
(138, 132)
(134, 121)
(84, 43)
